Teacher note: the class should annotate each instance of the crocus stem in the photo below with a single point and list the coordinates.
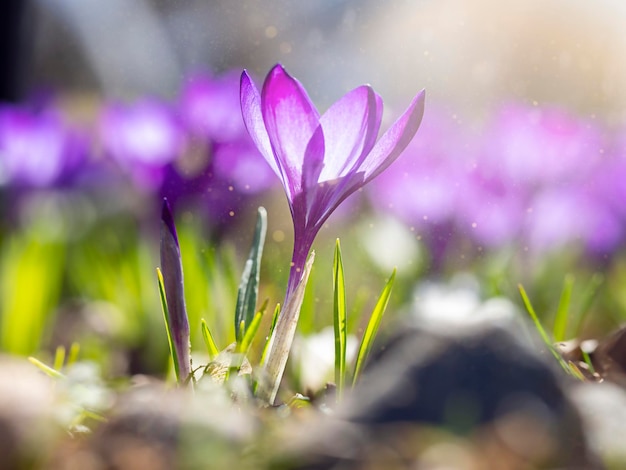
(280, 343)
(301, 248)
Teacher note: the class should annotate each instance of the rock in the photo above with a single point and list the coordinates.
(461, 398)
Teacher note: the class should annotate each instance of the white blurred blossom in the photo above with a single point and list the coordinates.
(315, 357)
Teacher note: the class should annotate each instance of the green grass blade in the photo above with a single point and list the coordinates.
(589, 295)
(249, 285)
(251, 332)
(55, 374)
(372, 328)
(575, 371)
(560, 320)
(269, 335)
(28, 265)
(166, 316)
(540, 329)
(208, 339)
(339, 319)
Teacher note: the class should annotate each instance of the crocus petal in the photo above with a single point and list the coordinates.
(386, 150)
(350, 130)
(253, 119)
(395, 140)
(291, 121)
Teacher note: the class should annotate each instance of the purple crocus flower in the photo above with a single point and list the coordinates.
(320, 160)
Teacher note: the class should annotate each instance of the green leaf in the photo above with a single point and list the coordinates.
(168, 327)
(560, 320)
(339, 319)
(541, 330)
(208, 339)
(372, 328)
(249, 284)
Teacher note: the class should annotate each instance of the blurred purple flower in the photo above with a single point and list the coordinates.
(221, 167)
(491, 210)
(240, 164)
(321, 160)
(143, 138)
(607, 180)
(423, 187)
(37, 149)
(541, 145)
(210, 108)
(569, 215)
(537, 175)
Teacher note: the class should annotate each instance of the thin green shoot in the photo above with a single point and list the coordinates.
(268, 339)
(59, 358)
(540, 329)
(589, 295)
(244, 346)
(299, 401)
(49, 371)
(560, 320)
(93, 415)
(372, 328)
(208, 339)
(168, 330)
(72, 357)
(575, 371)
(83, 415)
(339, 320)
(587, 360)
